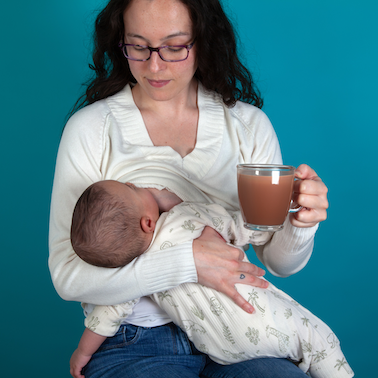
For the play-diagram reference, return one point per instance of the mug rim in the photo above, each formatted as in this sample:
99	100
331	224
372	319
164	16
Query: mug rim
267	167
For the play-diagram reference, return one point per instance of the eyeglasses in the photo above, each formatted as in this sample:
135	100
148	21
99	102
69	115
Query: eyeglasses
140	53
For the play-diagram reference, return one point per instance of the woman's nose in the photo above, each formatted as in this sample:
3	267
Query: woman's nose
155	62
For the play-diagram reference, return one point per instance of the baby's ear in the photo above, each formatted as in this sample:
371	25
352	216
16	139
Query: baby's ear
147	224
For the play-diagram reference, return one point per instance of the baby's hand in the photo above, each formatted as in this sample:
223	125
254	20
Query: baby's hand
77	362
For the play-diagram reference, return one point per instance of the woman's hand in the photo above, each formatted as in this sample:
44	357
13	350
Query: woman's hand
220	266
311	193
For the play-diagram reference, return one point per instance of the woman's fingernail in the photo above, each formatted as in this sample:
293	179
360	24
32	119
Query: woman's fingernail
249	309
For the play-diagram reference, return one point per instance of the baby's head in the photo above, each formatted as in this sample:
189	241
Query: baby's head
113	223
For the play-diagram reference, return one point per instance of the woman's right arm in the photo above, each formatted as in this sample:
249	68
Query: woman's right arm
80	162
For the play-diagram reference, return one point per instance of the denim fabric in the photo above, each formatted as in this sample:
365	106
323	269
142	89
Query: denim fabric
166	351
258	368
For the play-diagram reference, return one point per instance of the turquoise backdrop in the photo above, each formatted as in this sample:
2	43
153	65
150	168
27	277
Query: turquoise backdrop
316	64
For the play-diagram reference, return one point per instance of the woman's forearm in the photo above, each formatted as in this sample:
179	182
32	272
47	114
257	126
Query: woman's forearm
76	280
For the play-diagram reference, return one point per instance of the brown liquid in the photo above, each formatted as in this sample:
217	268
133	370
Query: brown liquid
264	203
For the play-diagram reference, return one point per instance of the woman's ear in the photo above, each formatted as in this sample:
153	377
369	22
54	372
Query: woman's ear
147	224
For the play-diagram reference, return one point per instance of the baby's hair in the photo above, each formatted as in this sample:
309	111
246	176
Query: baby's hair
105	231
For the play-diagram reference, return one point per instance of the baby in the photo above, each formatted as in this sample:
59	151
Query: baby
113	223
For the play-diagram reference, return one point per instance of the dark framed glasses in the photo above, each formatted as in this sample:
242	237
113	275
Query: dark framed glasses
174	53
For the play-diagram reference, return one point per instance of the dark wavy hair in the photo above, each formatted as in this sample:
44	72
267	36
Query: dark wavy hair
219	68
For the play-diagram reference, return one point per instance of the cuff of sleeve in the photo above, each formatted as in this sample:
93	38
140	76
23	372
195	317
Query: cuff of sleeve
289	250
174	265
100	321
293	239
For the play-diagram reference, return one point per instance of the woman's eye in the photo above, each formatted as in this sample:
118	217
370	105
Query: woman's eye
175	48
139	48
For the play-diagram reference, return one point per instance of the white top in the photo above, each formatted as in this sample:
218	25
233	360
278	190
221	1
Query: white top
108	140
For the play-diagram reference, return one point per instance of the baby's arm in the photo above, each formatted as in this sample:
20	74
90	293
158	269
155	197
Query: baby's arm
229	224
88	345
102	322
290	249
240	236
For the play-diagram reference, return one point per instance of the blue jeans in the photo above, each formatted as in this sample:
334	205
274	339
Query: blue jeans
166	351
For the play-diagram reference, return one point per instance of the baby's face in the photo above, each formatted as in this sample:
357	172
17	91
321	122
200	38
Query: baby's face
140	198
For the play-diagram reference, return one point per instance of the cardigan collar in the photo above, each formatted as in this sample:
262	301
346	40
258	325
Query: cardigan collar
211	127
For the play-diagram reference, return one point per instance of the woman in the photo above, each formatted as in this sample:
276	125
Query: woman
165	104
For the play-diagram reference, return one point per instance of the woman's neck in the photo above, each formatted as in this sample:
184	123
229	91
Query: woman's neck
172	122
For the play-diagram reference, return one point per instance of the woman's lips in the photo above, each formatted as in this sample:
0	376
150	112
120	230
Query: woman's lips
158	83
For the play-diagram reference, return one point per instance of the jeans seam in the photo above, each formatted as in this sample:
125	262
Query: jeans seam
124	340
174	338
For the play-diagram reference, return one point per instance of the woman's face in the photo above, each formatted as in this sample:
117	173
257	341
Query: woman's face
156	23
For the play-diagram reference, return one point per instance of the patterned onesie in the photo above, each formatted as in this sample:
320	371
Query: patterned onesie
280	327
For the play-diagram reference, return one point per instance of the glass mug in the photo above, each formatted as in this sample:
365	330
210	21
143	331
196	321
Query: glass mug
265	195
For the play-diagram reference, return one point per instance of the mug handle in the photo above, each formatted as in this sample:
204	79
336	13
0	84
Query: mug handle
298	207
294	209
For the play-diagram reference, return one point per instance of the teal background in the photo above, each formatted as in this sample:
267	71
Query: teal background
316	64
